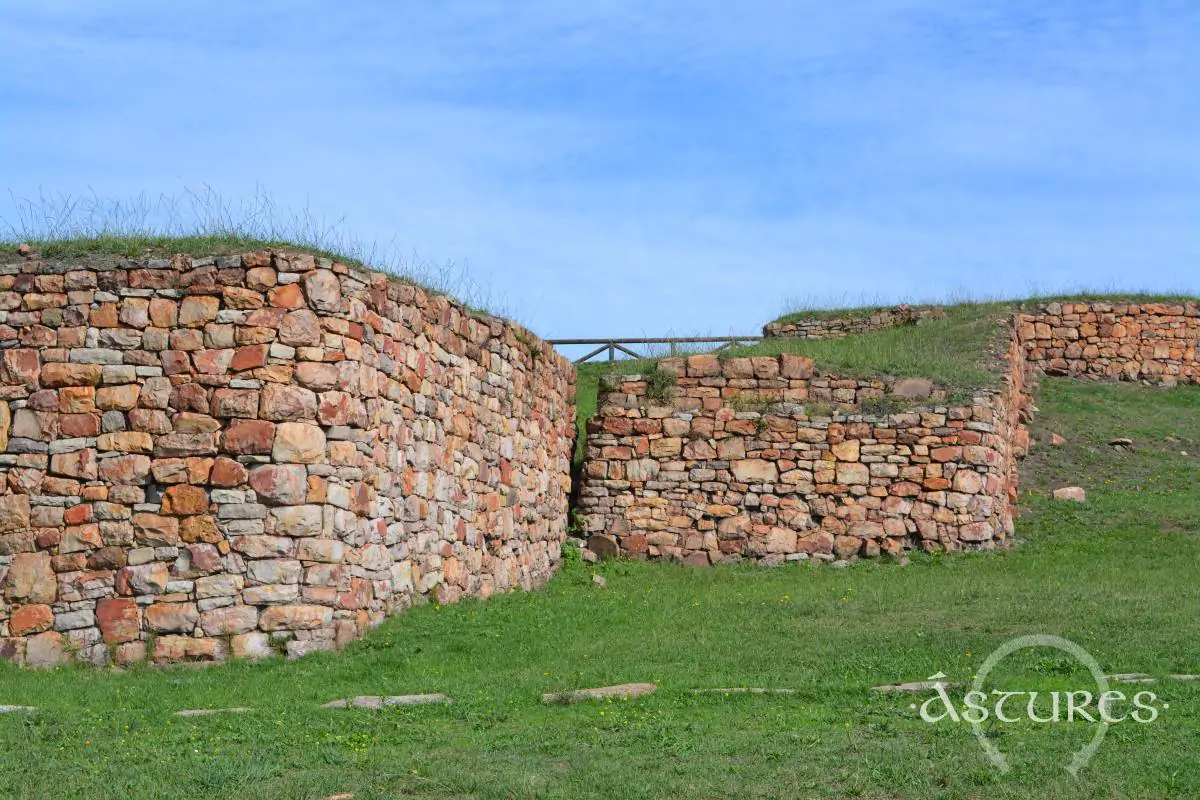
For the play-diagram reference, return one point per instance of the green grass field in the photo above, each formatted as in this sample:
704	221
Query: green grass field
1119	575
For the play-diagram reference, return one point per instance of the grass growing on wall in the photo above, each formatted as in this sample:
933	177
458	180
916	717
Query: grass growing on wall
1118	575
957	352
800	311
203	223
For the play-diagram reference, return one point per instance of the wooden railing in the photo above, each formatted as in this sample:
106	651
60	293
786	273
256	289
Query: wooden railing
624	346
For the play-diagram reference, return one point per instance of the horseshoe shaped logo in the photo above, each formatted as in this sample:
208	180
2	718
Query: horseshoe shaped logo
1084	755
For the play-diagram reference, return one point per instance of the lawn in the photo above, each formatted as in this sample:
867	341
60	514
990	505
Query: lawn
1120	575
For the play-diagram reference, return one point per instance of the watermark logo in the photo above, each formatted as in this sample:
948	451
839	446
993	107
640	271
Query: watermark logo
1104	707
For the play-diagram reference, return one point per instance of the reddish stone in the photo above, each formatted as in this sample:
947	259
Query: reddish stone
176	362
31	619
235	403
189	397
281	402
130	470
172	617
298	443
295	618
250	357
264	319
118	398
80	538
126	442
248	437
335	408
261	277
31	578
180	445
204	558
79	514
56	376
182	500
795	367
164	313
156	530
242	298
212	362
286	296
324	290
191	422
20	367
107	558
196	311
149	420
703	366
73	425
944	454
280	484
300	328
227	473
119	619
76	464
317	375
200	529
77	399
229	620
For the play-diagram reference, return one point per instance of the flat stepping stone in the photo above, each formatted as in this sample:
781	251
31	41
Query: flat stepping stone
915	686
204	712
744	690
1184	677
376	702
16	709
1132	677
623	691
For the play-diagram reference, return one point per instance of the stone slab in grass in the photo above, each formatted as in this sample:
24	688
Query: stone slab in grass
622	691
915	686
204	712
17	709
1132	677
744	690
375	701
1184	677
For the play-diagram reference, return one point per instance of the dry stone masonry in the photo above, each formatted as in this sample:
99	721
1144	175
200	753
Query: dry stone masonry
213	457
837	327
1154	342
765	458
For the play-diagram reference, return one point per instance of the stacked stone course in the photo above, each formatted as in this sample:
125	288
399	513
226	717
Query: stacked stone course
712	475
213	457
1153	342
839	327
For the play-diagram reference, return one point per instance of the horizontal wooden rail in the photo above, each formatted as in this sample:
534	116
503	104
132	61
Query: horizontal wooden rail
622	345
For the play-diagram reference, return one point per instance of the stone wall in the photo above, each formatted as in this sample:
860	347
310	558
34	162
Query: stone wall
837	327
765	458
1154	342
234	455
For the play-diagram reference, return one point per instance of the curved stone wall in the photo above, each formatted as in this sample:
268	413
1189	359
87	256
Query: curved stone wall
739	463
212	457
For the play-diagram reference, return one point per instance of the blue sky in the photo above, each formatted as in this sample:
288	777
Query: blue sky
633	167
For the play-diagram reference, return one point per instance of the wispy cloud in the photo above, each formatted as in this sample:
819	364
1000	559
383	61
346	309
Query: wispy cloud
625	167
